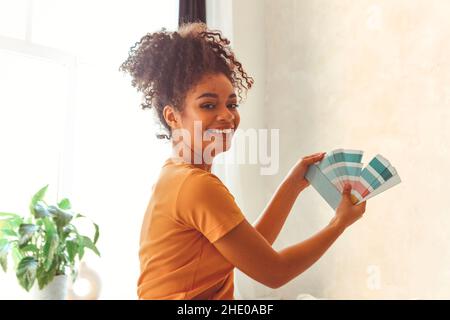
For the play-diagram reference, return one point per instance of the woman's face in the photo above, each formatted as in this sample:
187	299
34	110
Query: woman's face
209	117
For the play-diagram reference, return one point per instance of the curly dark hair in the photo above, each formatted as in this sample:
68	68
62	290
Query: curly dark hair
164	66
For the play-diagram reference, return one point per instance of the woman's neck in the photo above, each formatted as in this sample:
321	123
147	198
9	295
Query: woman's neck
192	158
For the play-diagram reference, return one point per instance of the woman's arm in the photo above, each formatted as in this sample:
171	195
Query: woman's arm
250	252
270	222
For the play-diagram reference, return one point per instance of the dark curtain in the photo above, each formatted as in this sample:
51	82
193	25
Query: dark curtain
191	11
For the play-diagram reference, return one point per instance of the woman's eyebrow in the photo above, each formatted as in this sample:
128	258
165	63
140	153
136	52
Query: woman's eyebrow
213	95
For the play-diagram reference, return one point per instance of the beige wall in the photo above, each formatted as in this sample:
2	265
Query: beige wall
372	75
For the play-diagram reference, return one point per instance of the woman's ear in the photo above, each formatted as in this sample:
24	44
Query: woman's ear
171	116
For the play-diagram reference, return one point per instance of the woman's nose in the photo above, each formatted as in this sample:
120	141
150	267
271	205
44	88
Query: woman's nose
225	114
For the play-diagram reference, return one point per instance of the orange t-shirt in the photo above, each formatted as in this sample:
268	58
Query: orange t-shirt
189	209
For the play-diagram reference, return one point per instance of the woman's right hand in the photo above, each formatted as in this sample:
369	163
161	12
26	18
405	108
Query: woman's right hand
347	212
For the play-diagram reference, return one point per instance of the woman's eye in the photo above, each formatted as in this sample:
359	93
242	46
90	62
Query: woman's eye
208	106
212	106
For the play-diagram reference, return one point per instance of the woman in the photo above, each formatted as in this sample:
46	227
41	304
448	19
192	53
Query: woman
194	234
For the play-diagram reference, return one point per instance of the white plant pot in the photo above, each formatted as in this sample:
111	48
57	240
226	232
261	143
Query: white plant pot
55	290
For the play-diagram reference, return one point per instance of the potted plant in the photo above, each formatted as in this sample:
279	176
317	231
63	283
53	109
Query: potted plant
45	245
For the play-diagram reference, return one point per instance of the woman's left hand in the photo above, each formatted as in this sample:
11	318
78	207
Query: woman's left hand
298	171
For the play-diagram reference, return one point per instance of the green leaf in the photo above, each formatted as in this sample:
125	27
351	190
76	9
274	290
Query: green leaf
65	204
8	232
51	242
60	216
13	222
50	247
80	243
72	249
64	263
37	197
67	230
40	210
53	210
26	232
49	226
44	277
26	272
8	215
90	245
17	255
29	248
4	250
97	233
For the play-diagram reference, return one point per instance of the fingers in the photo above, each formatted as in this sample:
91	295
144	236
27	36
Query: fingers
346	194
347	189
315	155
313	158
347	198
362	205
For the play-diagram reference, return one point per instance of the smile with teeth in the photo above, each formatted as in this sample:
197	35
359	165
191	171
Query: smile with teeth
230	130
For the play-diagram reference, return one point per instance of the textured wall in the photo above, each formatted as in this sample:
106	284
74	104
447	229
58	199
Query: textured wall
370	75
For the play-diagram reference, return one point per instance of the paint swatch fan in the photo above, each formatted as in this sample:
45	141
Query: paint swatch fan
342	166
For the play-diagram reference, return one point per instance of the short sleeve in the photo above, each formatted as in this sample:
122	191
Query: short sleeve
206	204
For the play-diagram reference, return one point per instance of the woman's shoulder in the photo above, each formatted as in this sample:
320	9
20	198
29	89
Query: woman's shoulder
191	182
196	179
180	180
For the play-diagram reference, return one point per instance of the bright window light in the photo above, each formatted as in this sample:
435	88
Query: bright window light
70	119
13	15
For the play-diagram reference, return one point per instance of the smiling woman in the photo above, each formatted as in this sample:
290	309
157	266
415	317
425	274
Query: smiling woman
190	78
166	65
205	130
193	233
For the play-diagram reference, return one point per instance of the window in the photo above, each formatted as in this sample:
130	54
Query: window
70	119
